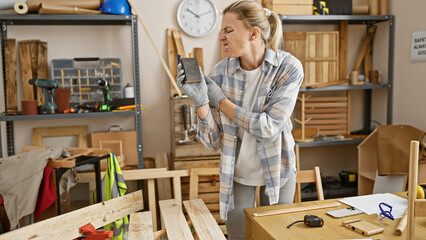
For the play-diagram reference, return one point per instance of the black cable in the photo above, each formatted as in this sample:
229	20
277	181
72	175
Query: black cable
289	226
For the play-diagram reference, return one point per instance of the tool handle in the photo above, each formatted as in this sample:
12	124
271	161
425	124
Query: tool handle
191	113
401	225
184	116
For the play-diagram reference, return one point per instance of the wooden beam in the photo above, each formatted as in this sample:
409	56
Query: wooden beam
42	70
66	226
198	54
140	226
26	71
164	188
364	47
204	223
296	209
343	49
10	71
143	174
176	226
178	43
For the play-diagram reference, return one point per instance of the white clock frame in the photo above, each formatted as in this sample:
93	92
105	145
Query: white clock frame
189	20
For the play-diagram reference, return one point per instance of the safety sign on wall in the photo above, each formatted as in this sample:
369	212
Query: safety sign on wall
418	47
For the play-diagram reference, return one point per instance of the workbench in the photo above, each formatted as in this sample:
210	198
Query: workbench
275	226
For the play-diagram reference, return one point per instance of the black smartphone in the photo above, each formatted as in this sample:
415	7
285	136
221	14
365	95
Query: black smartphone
191	69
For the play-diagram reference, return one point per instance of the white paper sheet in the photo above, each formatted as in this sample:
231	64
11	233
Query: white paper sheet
369	204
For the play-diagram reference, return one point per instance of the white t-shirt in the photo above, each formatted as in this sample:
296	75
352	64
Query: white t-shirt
248	170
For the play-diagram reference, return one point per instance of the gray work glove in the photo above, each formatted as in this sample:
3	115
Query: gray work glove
196	91
214	92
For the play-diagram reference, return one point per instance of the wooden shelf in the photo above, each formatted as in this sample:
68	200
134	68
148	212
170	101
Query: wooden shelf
368	175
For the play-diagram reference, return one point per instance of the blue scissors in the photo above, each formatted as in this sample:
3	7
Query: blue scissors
388	213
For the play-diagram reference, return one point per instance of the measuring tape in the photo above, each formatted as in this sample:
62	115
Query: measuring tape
321	9
421	191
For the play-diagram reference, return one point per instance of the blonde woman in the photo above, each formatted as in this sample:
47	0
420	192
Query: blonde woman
251	95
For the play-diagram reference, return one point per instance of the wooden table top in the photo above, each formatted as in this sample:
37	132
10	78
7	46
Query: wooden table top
275	226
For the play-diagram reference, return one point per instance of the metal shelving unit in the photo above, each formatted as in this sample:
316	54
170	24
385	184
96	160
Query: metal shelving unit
352	19
71	20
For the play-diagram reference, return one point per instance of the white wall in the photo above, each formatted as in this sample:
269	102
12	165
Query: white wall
410	77
409	82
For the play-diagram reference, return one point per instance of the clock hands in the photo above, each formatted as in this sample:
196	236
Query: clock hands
196	15
205	13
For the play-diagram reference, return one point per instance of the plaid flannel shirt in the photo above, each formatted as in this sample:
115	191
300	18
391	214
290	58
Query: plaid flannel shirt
269	122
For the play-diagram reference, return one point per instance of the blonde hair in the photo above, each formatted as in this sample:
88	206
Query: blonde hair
253	15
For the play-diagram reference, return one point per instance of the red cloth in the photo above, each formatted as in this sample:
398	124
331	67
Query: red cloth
46	194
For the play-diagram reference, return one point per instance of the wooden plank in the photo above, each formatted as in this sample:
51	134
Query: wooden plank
26	72
164	189
42	69
191	164
198	54
326	99
364	47
10	71
203	187
66	226
193	185
177	189
152	201
178	42
368	63
171	52
327	104
204	223
196	158
154	173
328	121
34	57
172	58
306	176
140	226
343	49
328	127
363	227
72	150
327	116
325	110
296	209
176	225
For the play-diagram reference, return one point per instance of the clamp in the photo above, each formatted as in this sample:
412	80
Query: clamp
92	234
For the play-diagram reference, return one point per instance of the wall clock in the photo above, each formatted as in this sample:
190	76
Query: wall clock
197	18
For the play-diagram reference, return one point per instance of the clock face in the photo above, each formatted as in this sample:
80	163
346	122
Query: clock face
197	18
